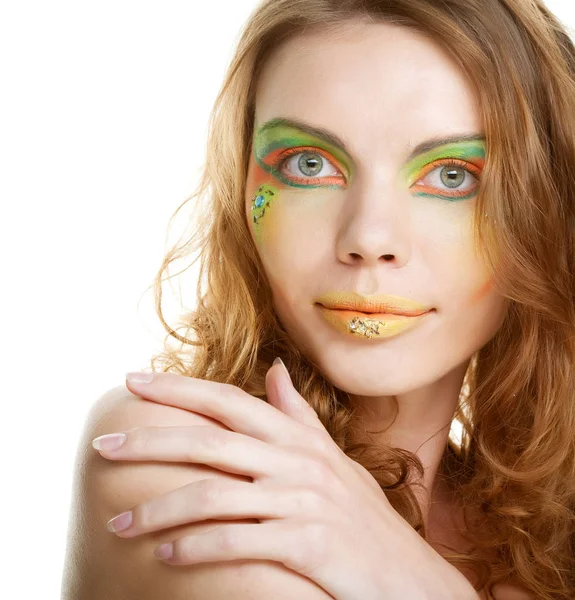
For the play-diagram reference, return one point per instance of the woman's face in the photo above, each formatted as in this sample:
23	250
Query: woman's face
378	200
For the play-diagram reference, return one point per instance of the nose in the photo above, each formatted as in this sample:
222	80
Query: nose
374	226
355	257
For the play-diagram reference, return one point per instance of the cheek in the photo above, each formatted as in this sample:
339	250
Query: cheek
281	221
479	282
467	287
481	291
456	260
289	245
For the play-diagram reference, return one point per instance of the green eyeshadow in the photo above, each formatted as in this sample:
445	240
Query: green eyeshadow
472	152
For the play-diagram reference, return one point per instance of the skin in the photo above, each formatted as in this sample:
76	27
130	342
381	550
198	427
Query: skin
376	218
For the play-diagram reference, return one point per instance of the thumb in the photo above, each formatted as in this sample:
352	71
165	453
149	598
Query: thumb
282	395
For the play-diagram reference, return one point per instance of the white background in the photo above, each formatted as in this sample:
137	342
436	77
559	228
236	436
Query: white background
103	121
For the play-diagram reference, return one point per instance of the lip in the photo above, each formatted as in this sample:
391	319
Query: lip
372	317
376	304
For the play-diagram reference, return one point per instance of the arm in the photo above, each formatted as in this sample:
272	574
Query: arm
101	566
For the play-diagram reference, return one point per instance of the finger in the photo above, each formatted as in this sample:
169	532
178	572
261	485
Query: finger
229	452
224	450
209	499
342	568
226	403
281	394
277	541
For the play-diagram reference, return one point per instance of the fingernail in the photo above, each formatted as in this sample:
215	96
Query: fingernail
164	551
110	441
120	522
279	360
139	377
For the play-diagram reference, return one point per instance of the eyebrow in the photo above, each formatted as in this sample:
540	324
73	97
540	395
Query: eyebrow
332	138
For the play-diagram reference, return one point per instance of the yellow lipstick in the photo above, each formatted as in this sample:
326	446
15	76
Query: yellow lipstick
375	316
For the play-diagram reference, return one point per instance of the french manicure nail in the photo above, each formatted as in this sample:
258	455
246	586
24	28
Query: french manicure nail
135	377
280	361
120	522
164	551
110	441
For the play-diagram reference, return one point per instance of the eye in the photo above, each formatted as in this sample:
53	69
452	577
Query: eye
308	166
457	177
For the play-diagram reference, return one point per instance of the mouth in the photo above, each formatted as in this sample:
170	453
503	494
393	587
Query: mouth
376	304
376	313
369	325
373	316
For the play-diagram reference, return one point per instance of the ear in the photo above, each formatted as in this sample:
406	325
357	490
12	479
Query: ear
282	395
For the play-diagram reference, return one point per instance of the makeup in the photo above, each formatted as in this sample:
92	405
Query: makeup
377	316
276	143
374	326
482	291
261	202
454	163
288	153
263	197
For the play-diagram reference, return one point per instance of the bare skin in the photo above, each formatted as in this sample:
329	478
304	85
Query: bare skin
371	230
383	90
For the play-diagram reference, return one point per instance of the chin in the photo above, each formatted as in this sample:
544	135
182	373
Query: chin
370	382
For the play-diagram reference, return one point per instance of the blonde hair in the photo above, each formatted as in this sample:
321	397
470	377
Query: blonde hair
515	466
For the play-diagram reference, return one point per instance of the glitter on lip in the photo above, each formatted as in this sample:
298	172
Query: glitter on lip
374	325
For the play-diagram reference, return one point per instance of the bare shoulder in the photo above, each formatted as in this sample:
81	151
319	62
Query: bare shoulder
99	565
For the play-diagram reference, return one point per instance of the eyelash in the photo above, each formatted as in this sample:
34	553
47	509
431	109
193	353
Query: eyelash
290	153
459	193
473	170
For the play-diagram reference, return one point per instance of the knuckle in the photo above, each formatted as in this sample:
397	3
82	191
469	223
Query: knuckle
322	475
319	471
143	516
297	554
209	492
141	438
321	443
209	440
318	538
184	549
309	501
227	539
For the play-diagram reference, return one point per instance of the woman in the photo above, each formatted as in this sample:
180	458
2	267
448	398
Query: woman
391	211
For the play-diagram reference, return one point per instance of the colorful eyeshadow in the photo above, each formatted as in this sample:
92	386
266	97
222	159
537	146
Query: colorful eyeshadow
274	145
280	139
468	156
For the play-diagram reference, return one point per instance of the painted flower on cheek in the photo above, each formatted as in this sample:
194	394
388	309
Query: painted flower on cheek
261	202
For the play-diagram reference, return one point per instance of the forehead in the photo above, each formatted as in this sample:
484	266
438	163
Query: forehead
374	83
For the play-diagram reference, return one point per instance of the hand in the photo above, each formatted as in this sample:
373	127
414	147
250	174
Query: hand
321	514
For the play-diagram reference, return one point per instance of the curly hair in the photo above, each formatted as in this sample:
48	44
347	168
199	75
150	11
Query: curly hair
514	466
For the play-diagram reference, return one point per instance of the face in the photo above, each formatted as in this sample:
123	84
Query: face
366	157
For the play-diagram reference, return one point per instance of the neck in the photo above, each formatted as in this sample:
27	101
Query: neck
421	426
